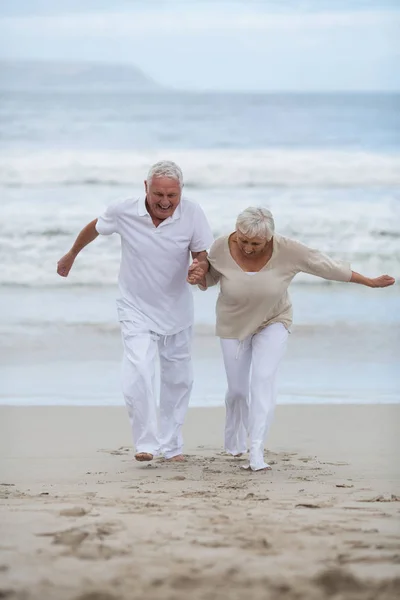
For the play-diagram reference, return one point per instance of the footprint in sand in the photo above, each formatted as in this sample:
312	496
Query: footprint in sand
76	511
258	545
368	558
205	494
357	544
232	486
338	581
252	496
392	498
119	452
10	595
96	596
75	536
313	505
8	490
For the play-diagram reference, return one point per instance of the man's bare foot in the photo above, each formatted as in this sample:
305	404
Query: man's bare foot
177	458
237	455
143	456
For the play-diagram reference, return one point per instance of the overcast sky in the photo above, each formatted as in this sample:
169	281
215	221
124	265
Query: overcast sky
227	45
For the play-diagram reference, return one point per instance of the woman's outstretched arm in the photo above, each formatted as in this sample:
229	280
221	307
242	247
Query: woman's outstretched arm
314	262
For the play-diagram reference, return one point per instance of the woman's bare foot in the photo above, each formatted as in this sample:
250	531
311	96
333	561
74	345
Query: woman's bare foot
263	470
177	458
143	456
237	455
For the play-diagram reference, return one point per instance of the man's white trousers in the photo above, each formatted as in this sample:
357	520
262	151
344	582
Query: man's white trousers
138	385
251	368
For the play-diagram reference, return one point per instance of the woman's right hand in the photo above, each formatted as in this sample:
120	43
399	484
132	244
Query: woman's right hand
196	275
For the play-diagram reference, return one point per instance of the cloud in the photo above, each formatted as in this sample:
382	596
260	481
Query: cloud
124	23
59	7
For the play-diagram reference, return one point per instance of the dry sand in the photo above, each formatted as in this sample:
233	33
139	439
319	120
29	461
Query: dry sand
81	520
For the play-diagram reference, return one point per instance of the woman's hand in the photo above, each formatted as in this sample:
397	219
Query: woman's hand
382	281
377	282
197	273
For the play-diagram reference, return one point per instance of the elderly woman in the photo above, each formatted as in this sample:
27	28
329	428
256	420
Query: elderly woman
254	267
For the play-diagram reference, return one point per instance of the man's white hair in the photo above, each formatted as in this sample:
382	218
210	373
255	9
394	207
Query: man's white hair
165	168
256	222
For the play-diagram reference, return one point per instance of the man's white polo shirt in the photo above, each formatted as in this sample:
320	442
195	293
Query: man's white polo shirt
154	293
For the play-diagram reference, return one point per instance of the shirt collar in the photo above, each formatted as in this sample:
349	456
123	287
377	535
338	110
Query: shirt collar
142	210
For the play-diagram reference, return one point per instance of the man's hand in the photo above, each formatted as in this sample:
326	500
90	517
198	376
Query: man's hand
197	273
87	235
65	263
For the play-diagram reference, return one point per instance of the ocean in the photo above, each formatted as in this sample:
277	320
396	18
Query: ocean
327	165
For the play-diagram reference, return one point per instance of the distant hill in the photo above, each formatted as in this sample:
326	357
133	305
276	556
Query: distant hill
71	76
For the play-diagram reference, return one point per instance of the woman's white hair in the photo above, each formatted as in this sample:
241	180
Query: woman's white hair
165	168
256	222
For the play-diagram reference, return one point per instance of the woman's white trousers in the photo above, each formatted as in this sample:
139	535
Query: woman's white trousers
251	368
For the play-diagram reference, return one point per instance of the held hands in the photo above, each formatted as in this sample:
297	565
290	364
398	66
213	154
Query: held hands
382	281
197	273
65	263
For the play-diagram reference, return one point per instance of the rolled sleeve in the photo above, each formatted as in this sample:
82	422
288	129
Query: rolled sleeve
202	237
212	278
319	264
107	223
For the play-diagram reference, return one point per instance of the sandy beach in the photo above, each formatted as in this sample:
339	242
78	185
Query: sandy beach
81	520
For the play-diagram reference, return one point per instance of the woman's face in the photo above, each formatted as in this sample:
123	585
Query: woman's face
251	246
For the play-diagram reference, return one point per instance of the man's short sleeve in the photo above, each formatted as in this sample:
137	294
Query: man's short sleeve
202	237
107	223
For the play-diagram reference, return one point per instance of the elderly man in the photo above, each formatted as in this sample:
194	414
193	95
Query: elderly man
155	306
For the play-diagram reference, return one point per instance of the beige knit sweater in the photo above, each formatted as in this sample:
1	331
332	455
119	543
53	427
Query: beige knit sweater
246	304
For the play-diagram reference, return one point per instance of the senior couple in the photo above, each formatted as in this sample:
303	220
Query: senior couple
254	267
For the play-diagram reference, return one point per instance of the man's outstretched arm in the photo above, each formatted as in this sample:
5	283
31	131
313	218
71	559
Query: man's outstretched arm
87	235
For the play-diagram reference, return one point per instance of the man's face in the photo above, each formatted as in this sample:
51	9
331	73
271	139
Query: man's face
163	196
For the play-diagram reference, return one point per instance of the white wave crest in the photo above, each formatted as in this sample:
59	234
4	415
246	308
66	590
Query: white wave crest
206	168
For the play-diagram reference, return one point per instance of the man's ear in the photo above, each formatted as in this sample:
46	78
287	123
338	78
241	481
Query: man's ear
145	186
